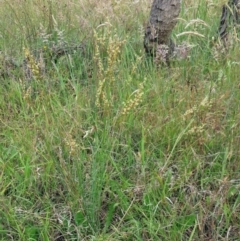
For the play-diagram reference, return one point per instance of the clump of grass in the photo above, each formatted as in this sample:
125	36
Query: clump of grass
139	152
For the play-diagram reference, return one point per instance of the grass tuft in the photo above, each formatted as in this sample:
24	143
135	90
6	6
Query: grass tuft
98	142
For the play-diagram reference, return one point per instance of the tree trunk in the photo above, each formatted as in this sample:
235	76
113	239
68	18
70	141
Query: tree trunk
229	18
161	23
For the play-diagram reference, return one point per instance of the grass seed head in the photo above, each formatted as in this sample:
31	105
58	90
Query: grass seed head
71	144
196	130
101	98
134	102
106	75
32	64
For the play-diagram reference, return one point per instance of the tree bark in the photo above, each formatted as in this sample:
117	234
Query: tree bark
161	23
229	18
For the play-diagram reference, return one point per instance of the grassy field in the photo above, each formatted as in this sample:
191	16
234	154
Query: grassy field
104	144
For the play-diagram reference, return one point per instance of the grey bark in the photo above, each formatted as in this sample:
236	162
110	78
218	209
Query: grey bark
229	18
161	23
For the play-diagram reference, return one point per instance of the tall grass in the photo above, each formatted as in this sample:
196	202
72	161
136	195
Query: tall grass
102	144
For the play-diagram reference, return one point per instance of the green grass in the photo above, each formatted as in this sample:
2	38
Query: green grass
165	168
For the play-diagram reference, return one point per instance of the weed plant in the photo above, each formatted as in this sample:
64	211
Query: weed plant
103	144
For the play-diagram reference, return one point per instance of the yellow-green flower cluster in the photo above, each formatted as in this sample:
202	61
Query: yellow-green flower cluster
196	130
113	53
71	144
101	98
106	76
32	64
98	60
134	102
204	105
